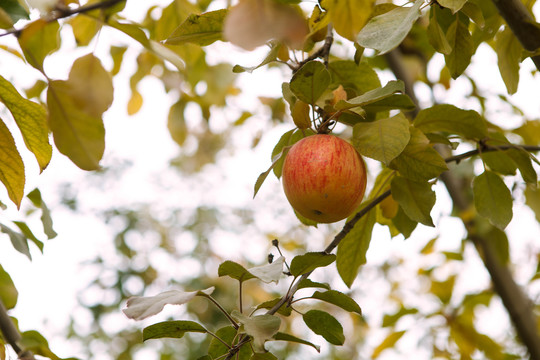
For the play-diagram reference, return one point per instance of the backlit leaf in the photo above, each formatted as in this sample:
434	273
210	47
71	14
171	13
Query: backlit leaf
203	29
303	264
171	329
386	31
524	163
454	5
392	319
270	57
18	240
235	271
387	343
14	11
339	299
35	342
25	230
493	199
290	338
509	52
453	120
309	83
532	198
46	219
460	40
267	273
176	122
351	251
324	324
349	16
403	223
419	161
8	292
415	198
383	139
84	29
260	327
31	118
38	39
11	166
436	35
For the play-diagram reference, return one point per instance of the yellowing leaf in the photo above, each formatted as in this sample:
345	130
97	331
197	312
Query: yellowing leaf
11	166
349	16
252	23
493	199
453	120
38	39
388	342
300	115
176	123
509	52
31	118
460	40
135	102
201	29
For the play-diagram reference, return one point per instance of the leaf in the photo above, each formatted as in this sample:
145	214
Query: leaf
324	324
492	199
84	29
386	31
171	329
31	118
75	110
300	115
235	271
403	223
339	299
303	264
284	309
139	308
176	122
8	292
373	96
383	139
360	77
349	16
436	36
419	161
523	161
532	199
270	272
509	52
38	39
35	197
276	161
34	342
11	166
202	30
309	83
260	327
351	251
291	338
228	334
415	198
454	5
452	120
307	283
25	230
391	320
18	240
460	40
14	11
270	57
263	356
387	343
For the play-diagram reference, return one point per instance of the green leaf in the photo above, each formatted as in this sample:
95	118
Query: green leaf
386	31
35	197
31	118
454	5
75	110
260	327
509	52
403	223
176	122
38	39
419	161
392	319
500	245
532	199
266	273
450	119
202	30
18	240
171	329
436	36
11	166
14	10
25	230
349	16
263	356
35	342
499	161
303	264
228	334
383	139
524	163
324	324
373	96
284	309
8	292
460	40
307	283
276	161
339	299
493	199
235	271
351	251
387	343
290	338
309	83
270	57
360	77
415	198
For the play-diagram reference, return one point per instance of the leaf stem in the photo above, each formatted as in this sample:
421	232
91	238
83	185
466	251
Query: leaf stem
234	323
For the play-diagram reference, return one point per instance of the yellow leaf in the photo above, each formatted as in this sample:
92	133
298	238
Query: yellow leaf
31	118
350	16
389	207
300	115
134	103
11	166
84	29
39	39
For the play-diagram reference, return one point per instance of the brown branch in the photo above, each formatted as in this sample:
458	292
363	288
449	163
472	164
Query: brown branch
517	304
64	12
522	24
11	335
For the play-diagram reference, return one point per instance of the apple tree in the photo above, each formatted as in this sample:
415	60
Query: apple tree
402	82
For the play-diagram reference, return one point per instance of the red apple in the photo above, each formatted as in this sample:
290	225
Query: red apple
324	178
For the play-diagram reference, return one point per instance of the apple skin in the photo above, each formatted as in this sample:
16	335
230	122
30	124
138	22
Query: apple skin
324	178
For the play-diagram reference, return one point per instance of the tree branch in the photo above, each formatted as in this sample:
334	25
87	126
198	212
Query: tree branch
11	334
522	24
519	307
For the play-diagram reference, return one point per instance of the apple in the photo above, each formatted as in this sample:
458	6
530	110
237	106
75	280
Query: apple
324	178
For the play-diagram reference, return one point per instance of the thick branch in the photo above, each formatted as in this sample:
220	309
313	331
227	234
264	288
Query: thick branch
522	24
519	307
11	335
